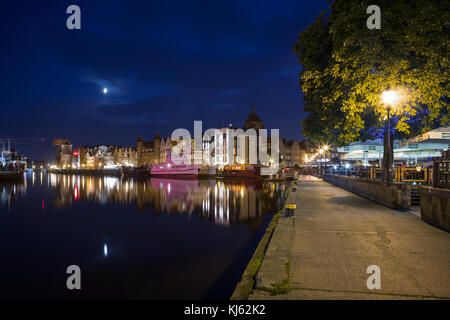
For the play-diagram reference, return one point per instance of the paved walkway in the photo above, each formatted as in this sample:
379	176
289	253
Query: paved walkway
324	251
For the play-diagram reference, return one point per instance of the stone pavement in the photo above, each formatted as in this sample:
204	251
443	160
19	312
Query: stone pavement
324	251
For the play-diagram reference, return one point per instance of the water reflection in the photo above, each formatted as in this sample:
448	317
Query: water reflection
153	237
9	192
223	202
219	201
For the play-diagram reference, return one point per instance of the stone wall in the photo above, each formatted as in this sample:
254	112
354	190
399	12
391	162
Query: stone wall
435	206
392	194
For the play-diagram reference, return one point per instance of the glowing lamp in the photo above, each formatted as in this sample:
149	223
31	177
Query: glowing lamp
390	97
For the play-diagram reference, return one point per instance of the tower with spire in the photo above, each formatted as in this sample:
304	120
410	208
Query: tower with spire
253	121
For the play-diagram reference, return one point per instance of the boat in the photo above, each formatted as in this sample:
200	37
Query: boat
207	171
169	169
11	175
134	172
242	171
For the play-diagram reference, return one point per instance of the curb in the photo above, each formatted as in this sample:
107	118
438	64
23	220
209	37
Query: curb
245	287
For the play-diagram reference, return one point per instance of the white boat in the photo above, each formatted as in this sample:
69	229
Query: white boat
169	169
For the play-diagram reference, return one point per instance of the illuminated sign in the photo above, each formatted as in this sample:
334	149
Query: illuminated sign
414	146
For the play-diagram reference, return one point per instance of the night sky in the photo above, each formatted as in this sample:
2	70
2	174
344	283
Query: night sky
165	64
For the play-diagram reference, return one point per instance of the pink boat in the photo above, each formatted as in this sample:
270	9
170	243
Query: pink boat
172	170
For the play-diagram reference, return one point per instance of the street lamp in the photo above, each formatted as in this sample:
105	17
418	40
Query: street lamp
325	148
390	98
321	153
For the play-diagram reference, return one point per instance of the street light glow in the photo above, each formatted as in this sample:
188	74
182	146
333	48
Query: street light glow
390	97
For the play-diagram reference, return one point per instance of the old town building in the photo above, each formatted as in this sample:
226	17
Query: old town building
148	153
63	151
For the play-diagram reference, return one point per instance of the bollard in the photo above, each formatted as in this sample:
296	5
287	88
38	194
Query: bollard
294	188
290	210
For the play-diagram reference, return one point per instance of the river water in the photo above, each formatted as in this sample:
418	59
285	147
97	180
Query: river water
132	239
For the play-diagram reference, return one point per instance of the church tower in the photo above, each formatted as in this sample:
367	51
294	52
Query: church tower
253	121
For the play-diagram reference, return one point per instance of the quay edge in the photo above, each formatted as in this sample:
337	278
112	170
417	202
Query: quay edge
245	287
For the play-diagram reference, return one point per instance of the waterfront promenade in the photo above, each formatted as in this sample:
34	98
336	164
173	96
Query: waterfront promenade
324	250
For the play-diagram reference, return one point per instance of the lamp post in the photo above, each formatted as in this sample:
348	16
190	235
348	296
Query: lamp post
389	98
321	158
325	148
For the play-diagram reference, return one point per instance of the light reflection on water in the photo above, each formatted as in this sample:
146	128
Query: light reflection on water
223	202
189	239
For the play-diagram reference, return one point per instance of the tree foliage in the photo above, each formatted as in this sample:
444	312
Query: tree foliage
346	67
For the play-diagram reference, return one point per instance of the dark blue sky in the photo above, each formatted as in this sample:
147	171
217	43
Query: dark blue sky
165	64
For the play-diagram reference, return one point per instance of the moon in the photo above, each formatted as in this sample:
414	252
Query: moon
105	90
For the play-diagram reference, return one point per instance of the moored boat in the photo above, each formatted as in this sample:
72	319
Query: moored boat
207	171
11	175
242	171
169	169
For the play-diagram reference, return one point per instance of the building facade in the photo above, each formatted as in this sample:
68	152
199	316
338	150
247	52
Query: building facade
148	153
63	153
419	149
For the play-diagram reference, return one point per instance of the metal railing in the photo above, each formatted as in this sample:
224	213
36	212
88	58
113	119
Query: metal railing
406	175
438	176
441	174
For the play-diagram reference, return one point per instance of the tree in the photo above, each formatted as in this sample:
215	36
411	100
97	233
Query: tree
346	67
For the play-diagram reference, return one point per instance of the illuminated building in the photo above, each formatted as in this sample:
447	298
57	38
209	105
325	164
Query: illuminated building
414	150
63	151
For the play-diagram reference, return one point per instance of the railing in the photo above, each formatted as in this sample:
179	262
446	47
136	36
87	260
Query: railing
376	173
441	174
406	175
424	176
413	175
